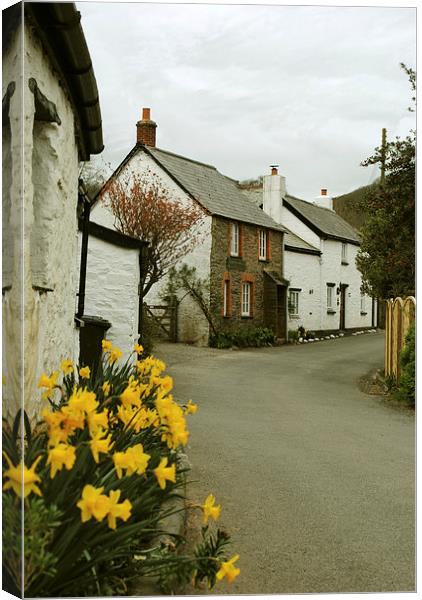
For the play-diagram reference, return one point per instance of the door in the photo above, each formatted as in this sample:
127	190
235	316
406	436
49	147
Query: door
343	288
281	312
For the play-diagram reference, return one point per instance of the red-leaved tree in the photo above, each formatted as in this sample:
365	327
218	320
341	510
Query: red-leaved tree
144	208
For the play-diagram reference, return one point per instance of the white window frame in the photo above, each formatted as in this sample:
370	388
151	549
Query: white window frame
295	303
246	299
226	292
234	239
262	245
330	297
344	252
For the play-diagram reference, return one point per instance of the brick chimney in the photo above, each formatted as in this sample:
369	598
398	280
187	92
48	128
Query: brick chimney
274	190
145	129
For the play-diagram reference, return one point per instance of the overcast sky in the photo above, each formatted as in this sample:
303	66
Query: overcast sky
243	87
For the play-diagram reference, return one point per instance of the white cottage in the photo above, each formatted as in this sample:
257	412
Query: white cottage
50	101
240	249
319	262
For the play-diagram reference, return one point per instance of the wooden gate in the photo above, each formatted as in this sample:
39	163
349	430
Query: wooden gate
399	316
164	319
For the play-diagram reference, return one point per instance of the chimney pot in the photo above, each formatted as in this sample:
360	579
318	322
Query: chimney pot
323	191
274	169
146	114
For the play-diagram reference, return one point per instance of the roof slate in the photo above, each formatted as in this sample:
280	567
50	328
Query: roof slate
326	221
295	241
219	194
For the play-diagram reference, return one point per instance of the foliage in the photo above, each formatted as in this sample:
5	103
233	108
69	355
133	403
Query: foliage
145	209
293	335
185	279
243	337
386	257
99	470
406	385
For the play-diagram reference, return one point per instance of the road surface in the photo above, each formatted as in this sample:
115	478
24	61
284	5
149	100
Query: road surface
316	478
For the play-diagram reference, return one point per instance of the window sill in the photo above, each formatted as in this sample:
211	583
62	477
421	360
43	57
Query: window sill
330	311
264	260
344	262
294	316
363	313
246	316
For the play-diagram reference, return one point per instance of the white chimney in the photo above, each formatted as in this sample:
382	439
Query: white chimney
273	194
324	199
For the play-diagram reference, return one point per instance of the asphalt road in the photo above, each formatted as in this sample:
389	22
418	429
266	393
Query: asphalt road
315	477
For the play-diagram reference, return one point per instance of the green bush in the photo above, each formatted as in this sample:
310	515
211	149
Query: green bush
293	335
243	338
406	385
98	473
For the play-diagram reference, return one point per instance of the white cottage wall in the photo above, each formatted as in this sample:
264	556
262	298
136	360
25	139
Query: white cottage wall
333	271
192	325
303	272
111	292
289	220
49	236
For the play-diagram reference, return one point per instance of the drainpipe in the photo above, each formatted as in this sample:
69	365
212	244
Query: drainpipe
143	255
84	256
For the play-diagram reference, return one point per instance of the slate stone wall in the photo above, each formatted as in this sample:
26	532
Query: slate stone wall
246	267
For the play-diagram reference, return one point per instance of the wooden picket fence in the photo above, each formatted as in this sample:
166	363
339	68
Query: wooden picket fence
399	316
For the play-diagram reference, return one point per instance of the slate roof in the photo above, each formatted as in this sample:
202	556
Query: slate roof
323	221
219	194
296	243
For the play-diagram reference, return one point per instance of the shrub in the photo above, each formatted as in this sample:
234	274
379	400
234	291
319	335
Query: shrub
293	335
251	337
406	385
99	470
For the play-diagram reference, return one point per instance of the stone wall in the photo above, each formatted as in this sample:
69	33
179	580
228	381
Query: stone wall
237	269
45	248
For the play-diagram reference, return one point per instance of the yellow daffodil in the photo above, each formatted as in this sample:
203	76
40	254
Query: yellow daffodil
97	422
210	509
100	445
85	372
134	460
191	408
106	345
83	400
66	366
93	504
228	570
164	473
117	511
138	348
48	382
61	456
106	388
131	396
22	480
115	354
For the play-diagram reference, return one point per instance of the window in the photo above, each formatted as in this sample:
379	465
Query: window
262	253
235	239
344	253
293	303
246	299
330	297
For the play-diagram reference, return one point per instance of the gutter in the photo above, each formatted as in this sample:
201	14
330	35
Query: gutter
58	24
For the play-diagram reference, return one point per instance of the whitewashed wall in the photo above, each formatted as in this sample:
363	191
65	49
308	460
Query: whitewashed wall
192	325
303	272
111	292
295	225
333	271
49	237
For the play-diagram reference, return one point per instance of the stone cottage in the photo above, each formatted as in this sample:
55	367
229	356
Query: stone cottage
320	250
48	80
241	248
